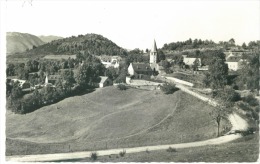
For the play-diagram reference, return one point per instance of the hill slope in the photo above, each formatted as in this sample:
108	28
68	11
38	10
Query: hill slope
92	43
49	38
19	42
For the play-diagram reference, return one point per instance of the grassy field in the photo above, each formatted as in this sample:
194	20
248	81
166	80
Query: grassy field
109	118
242	150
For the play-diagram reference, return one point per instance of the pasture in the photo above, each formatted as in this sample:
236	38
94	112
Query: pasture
109	118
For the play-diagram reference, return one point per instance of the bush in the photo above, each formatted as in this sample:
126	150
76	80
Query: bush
93	156
122	153
170	149
251	100
168	88
121	87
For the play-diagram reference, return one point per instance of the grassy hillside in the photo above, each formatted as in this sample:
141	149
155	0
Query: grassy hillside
91	43
110	118
19	42
49	38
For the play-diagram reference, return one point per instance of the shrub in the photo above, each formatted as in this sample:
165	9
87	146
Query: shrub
122	153
168	88
93	156
121	87
170	149
251	100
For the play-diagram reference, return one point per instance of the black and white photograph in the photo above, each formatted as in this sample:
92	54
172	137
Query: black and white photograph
130	81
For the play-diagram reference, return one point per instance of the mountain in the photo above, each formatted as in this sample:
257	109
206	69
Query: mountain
49	38
20	42
91	43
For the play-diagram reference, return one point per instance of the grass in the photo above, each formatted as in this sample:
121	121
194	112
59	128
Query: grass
109	118
245	149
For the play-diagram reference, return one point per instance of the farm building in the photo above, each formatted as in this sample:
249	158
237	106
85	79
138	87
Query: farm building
105	81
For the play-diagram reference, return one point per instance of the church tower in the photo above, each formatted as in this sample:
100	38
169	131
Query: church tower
153	54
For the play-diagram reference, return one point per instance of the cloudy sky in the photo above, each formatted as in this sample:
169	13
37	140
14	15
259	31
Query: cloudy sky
134	24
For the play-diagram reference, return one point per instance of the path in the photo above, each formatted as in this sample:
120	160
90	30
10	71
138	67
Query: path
237	122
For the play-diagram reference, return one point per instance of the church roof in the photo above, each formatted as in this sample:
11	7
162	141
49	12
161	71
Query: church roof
154	47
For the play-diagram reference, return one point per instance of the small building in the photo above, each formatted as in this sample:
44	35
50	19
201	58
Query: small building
22	83
110	61
190	61
105	81
139	70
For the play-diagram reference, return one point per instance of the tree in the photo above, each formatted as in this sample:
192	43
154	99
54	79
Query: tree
244	46
218	71
68	79
249	76
161	55
220	111
112	73
232	41
196	64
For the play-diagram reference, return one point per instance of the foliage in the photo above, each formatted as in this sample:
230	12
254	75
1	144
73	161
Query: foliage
170	149
228	95
251	100
121	87
92	43
136	55
169	88
122	153
223	107
112	72
161	55
249	75
217	74
189	44
93	156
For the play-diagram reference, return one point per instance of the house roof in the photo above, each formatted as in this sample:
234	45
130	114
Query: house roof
144	67
190	61
103	79
233	59
53	77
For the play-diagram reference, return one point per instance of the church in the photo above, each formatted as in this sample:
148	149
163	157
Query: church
145	70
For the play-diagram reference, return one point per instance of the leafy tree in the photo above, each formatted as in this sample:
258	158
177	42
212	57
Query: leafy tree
68	79
244	46
196	64
220	111
218	71
232	41
10	70
112	72
249	75
161	55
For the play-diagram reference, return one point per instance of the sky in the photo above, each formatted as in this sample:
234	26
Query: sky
135	24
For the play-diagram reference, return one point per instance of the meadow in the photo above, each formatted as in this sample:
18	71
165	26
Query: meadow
110	118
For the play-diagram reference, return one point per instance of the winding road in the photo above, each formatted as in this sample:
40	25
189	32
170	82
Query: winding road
237	122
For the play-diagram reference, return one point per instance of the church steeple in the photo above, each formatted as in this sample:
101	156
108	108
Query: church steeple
153	54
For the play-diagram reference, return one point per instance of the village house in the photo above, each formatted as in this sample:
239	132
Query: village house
24	84
110	61
191	61
140	70
105	81
234	62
